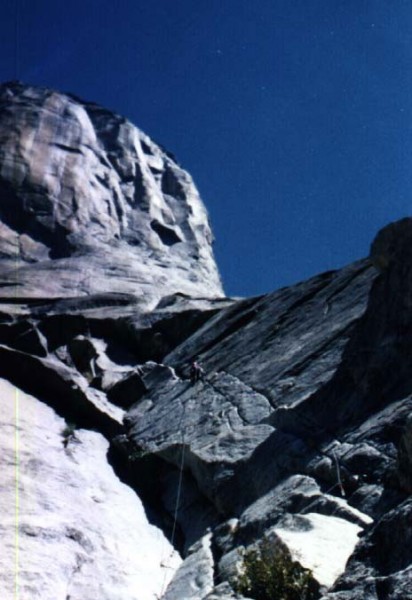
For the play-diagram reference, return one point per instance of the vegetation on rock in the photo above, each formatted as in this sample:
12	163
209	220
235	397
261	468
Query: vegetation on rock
268	573
69	430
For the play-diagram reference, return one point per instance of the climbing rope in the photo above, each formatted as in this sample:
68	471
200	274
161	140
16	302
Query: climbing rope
164	563
179	491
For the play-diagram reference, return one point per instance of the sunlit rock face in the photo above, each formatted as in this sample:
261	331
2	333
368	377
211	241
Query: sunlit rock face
69	527
90	204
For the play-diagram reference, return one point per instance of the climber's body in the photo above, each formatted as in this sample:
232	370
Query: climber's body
196	372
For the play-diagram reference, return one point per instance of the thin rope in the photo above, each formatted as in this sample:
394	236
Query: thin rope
179	491
177	503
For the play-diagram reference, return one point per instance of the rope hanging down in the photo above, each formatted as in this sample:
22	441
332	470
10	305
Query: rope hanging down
164	564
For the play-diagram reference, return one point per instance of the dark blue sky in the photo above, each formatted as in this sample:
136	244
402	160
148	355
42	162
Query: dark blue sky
293	116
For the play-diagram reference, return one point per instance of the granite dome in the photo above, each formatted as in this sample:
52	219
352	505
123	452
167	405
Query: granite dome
90	204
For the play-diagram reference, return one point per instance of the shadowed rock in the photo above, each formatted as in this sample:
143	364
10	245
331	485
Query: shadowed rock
405	456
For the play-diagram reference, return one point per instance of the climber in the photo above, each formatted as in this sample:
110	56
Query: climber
196	372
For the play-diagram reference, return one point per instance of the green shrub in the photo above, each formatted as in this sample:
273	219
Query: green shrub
68	430
137	454
269	574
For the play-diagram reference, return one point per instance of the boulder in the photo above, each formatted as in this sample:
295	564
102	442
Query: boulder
127	391
194	578
212	426
321	543
381	564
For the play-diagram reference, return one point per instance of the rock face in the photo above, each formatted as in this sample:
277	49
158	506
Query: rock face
67	521
299	433
405	456
90	204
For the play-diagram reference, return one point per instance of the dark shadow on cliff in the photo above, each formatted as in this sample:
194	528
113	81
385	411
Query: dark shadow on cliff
375	371
22	211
